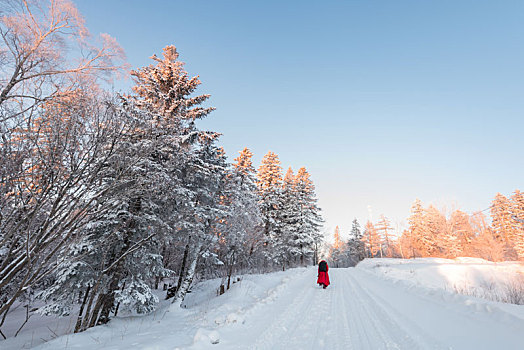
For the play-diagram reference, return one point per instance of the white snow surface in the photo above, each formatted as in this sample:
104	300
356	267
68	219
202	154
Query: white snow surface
380	304
449	274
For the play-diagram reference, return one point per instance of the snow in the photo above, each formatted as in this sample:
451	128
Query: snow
380	304
464	275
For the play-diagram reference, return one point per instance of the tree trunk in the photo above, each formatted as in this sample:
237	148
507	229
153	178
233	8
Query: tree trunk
186	283
79	319
108	298
171	292
96	310
230	272
118	305
85	321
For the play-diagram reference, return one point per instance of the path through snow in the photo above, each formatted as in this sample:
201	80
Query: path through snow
361	311
286	310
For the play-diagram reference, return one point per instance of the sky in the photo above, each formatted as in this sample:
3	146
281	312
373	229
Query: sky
382	101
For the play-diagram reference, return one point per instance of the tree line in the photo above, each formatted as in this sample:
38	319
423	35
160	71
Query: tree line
432	233
105	197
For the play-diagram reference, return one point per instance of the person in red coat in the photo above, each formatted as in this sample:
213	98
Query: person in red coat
323	277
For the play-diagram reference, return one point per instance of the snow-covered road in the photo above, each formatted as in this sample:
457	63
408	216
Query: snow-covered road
344	316
361	311
364	308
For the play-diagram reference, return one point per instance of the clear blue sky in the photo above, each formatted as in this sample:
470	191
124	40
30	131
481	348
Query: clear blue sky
382	101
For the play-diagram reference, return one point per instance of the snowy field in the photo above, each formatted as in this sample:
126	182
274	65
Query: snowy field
501	281
380	304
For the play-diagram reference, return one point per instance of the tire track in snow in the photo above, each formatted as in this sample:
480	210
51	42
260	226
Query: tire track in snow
361	330
306	330
396	331
343	325
277	332
344	316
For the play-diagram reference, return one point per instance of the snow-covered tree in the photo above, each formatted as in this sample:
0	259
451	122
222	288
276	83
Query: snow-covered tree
202	218
384	229
291	217
286	244
56	193
458	234
115	257
270	188
372	240
356	250
246	203
434	227
416	239
503	223
241	237
310	218
517	211
167	90
170	175
485	244
337	250
51	125
337	243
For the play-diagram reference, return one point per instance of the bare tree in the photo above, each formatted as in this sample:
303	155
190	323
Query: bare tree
56	192
45	50
54	131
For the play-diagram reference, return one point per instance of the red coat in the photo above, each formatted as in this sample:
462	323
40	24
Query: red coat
323	277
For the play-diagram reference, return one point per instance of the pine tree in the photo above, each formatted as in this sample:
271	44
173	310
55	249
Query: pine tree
504	225
286	244
337	241
166	88
372	240
269	188
269	173
416	231
435	226
459	234
244	166
310	218
337	249
517	211
205	185
242	236
384	229
356	248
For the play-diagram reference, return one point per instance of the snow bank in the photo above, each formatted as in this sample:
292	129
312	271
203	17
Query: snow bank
197	324
446	274
478	278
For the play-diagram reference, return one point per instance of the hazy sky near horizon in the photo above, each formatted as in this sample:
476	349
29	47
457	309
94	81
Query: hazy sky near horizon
382	101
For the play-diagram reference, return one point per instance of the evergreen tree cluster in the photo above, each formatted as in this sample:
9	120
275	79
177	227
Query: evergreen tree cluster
347	253
431	233
290	216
